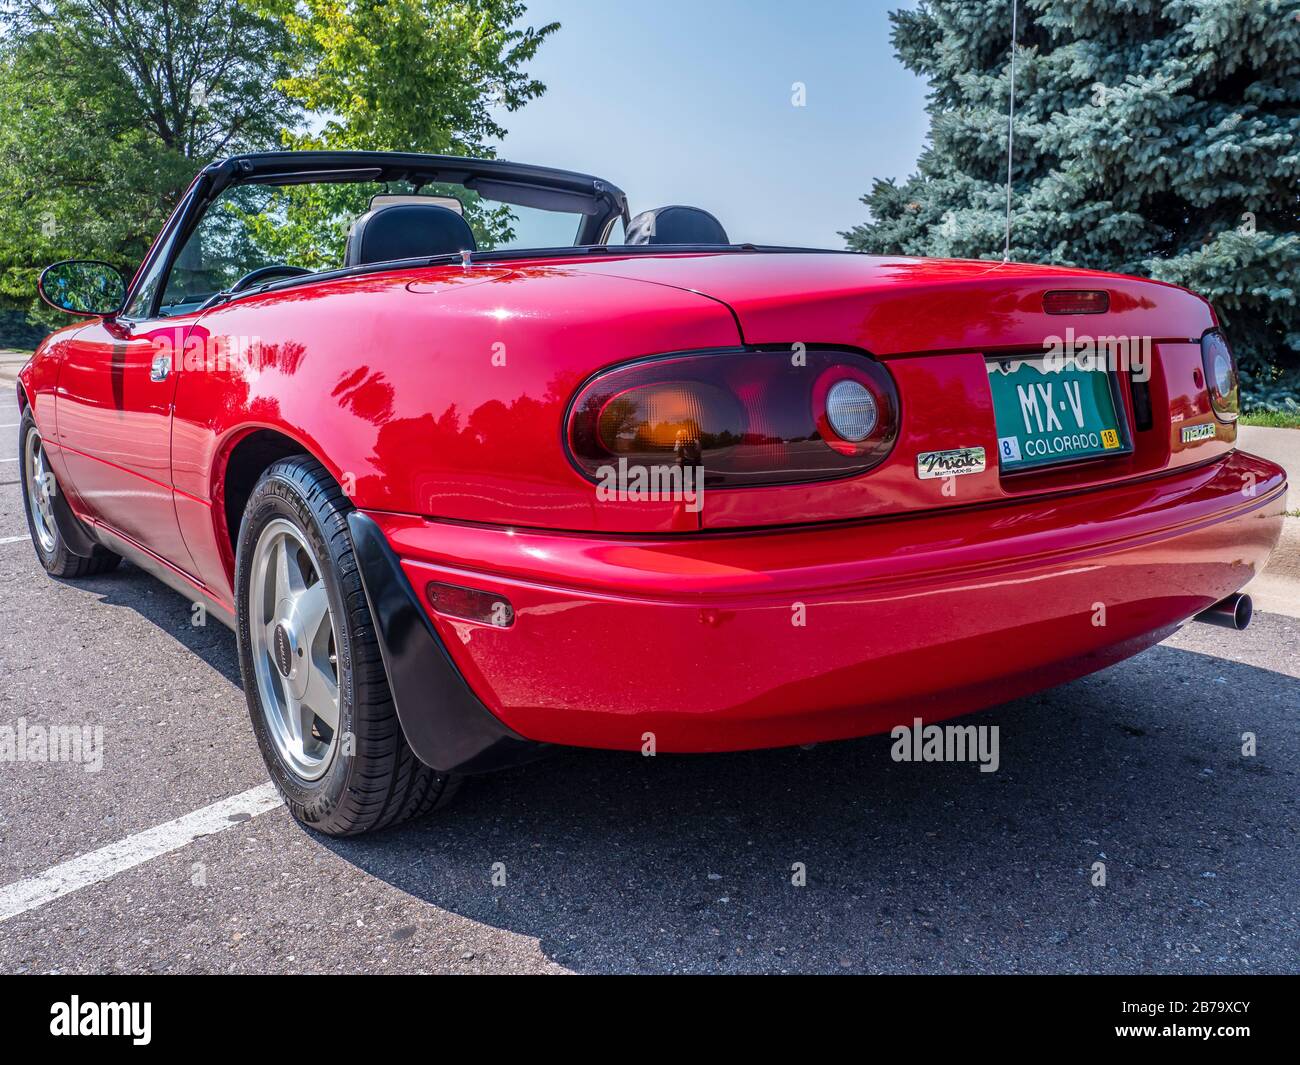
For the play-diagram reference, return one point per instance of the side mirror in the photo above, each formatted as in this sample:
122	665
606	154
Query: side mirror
83	286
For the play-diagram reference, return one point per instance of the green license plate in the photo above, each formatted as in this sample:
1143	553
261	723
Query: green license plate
1048	416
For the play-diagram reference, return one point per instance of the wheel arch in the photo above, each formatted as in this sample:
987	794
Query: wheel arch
246	454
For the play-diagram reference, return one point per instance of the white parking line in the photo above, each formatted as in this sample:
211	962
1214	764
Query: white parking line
10	425
77	873
13	539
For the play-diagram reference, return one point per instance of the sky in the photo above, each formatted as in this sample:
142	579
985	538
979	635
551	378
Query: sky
691	102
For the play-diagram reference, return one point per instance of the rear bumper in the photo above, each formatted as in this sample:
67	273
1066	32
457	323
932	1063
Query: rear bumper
721	642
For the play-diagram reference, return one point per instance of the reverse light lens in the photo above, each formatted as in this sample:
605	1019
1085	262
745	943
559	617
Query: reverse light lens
851	410
470	604
1220	375
745	417
1076	301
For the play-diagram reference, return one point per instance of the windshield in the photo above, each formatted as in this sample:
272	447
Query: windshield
305	228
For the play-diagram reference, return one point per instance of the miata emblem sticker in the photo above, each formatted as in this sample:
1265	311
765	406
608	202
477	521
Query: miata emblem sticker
954	463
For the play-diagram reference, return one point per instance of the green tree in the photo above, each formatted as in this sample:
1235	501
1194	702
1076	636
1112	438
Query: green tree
409	75
397	75
1152	137
110	107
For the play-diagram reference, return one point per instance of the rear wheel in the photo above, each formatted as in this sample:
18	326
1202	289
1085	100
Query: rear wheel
40	498
317	692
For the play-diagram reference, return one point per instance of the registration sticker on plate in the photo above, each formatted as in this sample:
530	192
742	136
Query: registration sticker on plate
1051	414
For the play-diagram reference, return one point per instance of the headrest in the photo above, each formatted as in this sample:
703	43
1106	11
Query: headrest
676	225
406	231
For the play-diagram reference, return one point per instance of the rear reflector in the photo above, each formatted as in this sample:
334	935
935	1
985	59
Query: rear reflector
470	604
1076	301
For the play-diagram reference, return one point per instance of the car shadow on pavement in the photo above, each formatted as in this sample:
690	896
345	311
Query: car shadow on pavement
615	862
128	586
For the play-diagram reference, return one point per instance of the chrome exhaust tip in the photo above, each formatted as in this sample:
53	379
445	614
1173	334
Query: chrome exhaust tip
1234	612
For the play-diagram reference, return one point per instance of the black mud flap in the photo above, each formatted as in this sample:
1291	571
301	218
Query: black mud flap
445	723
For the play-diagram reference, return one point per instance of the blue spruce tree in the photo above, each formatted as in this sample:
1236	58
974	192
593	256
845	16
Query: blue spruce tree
1152	137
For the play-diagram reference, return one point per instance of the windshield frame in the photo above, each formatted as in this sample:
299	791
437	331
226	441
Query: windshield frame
596	201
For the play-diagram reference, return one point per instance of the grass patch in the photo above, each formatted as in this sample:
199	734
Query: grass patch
1273	419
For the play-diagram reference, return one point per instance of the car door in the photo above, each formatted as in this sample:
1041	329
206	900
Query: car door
113	414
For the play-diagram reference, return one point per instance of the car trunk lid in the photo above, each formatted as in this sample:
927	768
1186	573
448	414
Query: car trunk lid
939	326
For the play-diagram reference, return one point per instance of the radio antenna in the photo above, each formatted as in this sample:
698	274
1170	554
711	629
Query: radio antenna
1011	131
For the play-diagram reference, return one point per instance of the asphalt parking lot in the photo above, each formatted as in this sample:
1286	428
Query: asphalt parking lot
617	862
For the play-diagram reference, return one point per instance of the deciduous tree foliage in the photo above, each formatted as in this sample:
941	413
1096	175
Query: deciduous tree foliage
1152	137
395	75
109	108
408	75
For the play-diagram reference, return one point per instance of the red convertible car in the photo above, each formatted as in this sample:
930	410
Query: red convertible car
475	463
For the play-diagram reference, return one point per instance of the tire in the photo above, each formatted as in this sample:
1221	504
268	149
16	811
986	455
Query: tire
39	487
342	766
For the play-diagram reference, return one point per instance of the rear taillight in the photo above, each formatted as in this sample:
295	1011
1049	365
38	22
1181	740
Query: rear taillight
745	417
1220	375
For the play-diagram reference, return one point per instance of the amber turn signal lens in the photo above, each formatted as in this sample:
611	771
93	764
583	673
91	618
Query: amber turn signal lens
1076	301
470	604
669	418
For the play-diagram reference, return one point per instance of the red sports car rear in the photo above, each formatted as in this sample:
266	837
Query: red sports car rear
461	502
822	604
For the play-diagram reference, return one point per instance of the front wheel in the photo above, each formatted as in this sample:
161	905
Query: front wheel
317	692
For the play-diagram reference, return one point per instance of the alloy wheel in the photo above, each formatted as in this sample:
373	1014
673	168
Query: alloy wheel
295	658
40	491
